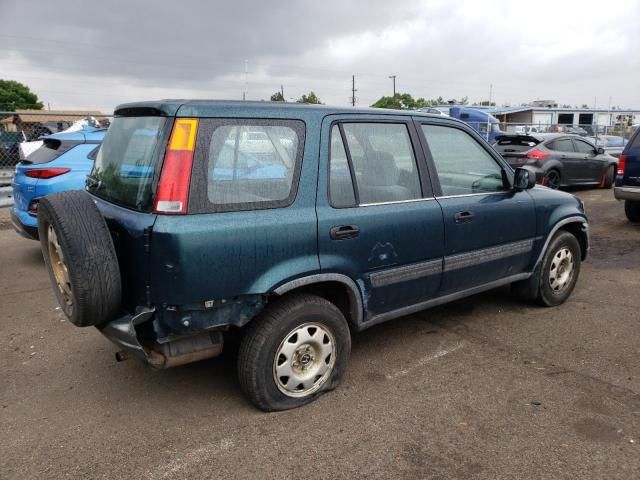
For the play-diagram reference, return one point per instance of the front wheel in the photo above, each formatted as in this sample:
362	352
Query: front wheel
293	352
560	270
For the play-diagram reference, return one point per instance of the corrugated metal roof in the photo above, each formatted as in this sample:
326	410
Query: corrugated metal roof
507	110
36	116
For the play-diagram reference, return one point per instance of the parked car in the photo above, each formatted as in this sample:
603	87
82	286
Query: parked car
559	160
435	111
612	144
526	129
576	130
627	186
359	216
61	163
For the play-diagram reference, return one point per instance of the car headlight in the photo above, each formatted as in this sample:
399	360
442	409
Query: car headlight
580	204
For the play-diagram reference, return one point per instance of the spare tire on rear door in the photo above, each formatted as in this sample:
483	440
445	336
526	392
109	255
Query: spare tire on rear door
80	258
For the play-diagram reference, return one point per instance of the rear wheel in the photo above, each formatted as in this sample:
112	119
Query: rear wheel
632	210
553	179
293	352
609	177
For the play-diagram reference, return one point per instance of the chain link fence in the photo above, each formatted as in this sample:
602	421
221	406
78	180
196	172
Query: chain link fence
621	130
20	132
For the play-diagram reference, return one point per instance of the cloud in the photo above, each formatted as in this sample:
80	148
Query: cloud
99	54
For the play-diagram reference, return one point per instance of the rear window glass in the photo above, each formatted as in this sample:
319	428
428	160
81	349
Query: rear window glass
50	150
518	141
636	141
246	164
125	165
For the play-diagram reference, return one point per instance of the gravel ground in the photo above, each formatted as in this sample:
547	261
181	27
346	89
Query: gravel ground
482	388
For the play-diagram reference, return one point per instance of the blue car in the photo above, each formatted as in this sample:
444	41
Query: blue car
61	163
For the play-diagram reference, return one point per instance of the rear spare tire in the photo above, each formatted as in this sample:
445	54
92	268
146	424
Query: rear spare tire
80	258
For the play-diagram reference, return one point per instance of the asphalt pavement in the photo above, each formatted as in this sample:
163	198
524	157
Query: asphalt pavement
484	388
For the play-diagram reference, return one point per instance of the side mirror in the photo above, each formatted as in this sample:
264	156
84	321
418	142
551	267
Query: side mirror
599	151
523	179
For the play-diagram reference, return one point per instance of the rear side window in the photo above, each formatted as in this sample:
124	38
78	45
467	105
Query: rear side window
341	190
561	145
382	163
127	162
246	164
636	141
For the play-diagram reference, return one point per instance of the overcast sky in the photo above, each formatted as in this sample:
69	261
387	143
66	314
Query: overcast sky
96	54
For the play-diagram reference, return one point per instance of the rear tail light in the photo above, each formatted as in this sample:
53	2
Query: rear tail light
537	155
173	190
46	172
622	164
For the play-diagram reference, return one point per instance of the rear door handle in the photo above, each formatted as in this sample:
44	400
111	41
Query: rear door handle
342	232
463	217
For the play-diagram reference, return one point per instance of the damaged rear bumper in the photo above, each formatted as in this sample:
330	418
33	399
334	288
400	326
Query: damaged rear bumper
179	351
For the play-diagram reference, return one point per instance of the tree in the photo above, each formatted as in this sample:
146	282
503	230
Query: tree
584	105
310	98
401	101
485	103
16	95
277	97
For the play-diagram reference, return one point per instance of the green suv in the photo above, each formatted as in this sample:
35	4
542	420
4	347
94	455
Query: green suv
296	226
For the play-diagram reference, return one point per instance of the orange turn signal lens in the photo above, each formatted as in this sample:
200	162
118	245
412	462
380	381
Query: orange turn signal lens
183	136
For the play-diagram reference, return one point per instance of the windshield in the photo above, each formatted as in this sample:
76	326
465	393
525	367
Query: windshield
126	163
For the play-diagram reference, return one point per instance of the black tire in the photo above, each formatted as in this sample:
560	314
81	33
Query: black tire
609	177
266	335
632	210
553	179
547	295
92	292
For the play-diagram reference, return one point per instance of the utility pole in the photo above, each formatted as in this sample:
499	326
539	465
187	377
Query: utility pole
490	92
353	90
393	77
245	93
282	91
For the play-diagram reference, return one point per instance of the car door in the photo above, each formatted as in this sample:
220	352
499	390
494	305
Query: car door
593	165
378	221
489	228
572	163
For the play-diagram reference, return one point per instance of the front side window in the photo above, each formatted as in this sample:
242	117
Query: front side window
583	147
462	165
383	162
247	164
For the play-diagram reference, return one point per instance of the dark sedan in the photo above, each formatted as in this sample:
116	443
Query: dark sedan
558	159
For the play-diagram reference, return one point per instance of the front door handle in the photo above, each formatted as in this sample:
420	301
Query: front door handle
342	232
463	217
